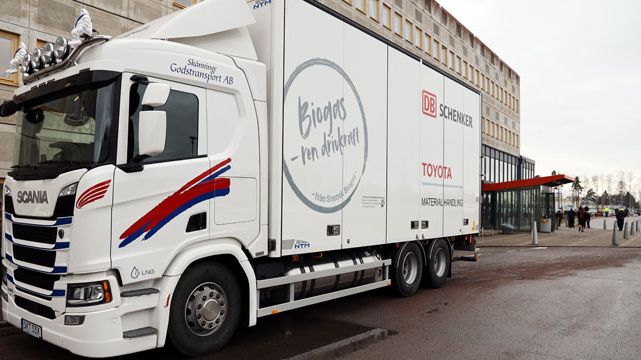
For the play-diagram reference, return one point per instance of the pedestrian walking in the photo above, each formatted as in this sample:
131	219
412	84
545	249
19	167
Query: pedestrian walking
618	213
587	216
571	214
581	218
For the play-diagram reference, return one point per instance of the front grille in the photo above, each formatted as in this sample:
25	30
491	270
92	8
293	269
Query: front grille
39	234
64	206
35	308
34	256
33	278
8	204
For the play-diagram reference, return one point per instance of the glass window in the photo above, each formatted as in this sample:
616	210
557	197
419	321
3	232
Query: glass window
387	16
182	125
360	5
444	55
427	46
437	50
418	37
452	62
408	31
71	130
183	3
8	47
373	9
397	25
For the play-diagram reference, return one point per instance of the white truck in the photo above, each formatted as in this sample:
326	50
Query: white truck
223	163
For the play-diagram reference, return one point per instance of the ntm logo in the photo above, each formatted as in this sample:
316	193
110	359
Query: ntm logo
429	104
260	3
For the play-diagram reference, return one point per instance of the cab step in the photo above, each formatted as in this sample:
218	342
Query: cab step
136	333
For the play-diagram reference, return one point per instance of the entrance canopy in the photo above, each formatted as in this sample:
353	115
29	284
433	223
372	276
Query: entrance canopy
554	180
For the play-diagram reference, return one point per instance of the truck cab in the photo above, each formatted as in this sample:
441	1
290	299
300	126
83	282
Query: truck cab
134	156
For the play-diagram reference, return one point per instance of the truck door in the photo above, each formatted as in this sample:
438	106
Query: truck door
160	202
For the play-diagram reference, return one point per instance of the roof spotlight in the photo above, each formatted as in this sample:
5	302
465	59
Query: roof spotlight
26	64
35	59
46	54
60	48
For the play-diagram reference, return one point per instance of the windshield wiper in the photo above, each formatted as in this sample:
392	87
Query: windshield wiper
64	162
29	167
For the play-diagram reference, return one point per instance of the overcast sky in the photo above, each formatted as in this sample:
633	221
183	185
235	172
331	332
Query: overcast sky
580	68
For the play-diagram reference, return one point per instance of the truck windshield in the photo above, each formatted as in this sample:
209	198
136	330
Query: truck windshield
68	130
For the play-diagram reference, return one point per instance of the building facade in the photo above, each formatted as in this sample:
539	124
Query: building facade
421	27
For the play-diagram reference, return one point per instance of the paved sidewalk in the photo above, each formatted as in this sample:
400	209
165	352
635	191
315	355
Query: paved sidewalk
564	236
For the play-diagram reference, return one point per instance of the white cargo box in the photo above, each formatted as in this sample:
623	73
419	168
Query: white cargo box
368	144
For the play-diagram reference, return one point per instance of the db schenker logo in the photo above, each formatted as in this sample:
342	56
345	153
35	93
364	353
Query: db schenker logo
429	104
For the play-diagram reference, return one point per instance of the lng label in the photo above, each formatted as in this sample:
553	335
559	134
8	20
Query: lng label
325	131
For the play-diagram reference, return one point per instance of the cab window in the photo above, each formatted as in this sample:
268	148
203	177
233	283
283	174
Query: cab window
182	126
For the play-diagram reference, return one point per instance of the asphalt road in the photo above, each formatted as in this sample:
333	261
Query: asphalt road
527	303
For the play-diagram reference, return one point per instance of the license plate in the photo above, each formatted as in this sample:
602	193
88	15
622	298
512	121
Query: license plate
32	329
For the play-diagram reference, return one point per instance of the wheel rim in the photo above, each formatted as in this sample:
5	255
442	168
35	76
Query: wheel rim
440	262
206	309
410	267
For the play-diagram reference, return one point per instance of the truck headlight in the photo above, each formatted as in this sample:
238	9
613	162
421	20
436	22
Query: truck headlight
7	191
69	190
89	294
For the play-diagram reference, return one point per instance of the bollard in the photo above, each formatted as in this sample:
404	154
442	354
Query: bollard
632	230
637	225
604	227
615	240
626	232
535	234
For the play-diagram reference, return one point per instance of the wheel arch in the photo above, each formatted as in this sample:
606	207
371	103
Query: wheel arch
228	252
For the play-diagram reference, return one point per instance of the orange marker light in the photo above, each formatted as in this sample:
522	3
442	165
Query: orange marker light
274	312
105	286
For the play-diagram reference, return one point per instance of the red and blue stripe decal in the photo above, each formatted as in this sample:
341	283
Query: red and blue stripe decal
205	186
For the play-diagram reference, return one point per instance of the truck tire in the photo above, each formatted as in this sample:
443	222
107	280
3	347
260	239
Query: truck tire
205	310
407	270
438	264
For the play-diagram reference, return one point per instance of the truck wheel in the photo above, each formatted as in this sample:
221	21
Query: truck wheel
438	264
407	270
205	310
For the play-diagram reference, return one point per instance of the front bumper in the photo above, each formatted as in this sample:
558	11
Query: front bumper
101	334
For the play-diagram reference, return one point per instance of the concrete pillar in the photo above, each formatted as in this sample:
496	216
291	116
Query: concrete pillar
637	223
626	231
535	234
632	226
615	239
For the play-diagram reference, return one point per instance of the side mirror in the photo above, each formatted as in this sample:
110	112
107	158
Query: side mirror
152	130
8	108
156	94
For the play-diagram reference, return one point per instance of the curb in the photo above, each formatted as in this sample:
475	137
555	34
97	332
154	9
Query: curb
344	346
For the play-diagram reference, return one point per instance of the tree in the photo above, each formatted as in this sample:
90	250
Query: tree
595	182
578	189
591	195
